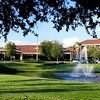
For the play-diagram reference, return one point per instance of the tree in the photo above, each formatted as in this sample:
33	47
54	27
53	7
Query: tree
76	47
56	50
25	14
94	52
51	50
46	49
10	49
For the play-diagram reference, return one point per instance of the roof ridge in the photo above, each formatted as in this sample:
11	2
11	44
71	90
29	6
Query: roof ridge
91	41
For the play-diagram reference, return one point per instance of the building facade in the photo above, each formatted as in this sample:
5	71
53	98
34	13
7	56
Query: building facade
23	52
70	53
33	52
84	47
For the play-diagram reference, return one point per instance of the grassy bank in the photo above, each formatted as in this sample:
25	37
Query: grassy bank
32	81
14	87
34	69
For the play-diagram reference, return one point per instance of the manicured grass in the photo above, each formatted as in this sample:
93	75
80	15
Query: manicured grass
14	87
35	69
97	68
28	83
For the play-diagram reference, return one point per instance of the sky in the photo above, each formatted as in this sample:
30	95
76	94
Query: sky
47	32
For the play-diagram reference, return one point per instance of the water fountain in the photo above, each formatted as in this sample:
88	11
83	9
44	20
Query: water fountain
82	71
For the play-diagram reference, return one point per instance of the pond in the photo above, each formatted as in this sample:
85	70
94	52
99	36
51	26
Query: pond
81	72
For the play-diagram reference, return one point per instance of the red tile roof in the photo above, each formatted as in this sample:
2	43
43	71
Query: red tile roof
2	50
93	41
69	49
27	49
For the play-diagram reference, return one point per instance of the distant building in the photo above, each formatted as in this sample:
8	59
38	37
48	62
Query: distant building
80	52
84	47
23	52
92	42
27	51
31	52
70	53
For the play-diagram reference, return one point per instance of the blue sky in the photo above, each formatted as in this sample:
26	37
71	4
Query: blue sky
47	32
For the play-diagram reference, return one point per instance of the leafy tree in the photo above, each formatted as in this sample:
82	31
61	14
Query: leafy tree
98	53
46	49
93	52
10	49
51	49
25	14
56	50
76	47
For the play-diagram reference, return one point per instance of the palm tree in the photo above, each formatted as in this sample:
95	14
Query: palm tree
77	48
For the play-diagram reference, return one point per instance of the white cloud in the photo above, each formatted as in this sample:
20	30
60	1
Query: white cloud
17	42
1	44
67	42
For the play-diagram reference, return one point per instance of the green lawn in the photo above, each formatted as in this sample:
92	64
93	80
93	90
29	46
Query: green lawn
35	69
32	81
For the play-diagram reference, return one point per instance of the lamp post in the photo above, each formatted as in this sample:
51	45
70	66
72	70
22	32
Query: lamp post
37	51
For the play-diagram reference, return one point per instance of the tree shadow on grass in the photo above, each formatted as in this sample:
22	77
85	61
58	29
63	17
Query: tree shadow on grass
28	86
37	82
16	64
4	69
48	90
55	66
51	68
